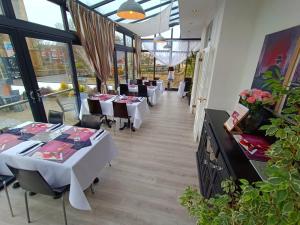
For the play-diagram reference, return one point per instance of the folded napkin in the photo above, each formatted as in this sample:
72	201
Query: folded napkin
81	144
26	136
64	138
15	131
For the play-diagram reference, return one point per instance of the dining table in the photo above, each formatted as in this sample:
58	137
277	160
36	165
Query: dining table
63	154
153	92
137	107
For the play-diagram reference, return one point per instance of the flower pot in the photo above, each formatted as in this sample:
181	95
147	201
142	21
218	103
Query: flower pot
251	123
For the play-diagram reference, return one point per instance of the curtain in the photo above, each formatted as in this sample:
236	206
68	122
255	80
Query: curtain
180	50
138	48
96	34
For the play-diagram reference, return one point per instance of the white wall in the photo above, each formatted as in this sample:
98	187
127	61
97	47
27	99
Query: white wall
245	24
232	50
274	15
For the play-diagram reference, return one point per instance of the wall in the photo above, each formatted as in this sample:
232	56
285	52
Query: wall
245	24
274	15
232	50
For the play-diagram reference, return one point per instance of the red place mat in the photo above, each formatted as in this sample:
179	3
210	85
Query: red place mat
103	97
55	151
83	133
36	128
8	141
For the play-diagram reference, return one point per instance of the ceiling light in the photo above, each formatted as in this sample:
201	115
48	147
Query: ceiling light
131	10
159	38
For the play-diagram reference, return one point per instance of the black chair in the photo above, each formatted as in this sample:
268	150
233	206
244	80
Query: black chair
32	181
124	89
96	110
147	83
90	121
55	117
4	182
188	84
139	81
120	111
153	82
143	92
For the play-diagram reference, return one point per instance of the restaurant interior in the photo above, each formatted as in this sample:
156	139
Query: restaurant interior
149	112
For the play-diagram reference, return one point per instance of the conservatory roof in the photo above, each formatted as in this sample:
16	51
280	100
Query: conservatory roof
152	8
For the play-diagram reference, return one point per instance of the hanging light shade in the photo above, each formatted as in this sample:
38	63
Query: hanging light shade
131	10
159	38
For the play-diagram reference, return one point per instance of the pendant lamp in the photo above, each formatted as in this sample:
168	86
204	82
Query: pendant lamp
159	38
131	10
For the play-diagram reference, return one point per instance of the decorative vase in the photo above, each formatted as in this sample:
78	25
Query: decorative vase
251	123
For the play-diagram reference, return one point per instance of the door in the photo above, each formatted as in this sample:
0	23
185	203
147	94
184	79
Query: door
202	92
16	105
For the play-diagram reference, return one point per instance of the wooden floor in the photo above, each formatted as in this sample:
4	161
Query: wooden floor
143	184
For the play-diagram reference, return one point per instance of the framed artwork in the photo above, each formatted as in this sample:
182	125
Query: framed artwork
237	115
280	54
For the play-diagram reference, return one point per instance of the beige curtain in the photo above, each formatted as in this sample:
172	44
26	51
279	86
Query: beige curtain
96	34
138	48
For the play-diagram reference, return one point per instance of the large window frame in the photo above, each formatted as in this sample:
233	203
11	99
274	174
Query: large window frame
18	30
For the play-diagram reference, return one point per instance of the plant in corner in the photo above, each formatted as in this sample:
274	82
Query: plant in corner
275	200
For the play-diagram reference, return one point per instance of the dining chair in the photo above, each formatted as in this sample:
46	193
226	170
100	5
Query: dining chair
121	112
33	181
124	89
65	106
139	81
147	83
143	92
4	182
153	82
55	117
96	110
90	121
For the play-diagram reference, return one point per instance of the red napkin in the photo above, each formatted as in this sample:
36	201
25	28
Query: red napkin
83	133
36	128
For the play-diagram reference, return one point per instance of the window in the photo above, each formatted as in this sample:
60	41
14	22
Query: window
161	71
147	65
121	67
128	41
42	12
70	22
176	31
130	65
119	38
1	9
85	73
50	60
12	90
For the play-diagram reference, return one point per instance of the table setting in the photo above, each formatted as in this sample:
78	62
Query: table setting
137	107
73	156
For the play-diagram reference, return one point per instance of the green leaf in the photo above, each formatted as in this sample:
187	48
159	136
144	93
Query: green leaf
271	131
288	207
281	195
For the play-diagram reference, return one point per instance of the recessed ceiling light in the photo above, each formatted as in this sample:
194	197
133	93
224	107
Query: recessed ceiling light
195	10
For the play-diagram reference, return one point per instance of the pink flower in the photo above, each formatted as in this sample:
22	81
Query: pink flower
266	94
251	99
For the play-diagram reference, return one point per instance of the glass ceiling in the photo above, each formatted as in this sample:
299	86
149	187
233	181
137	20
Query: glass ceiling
152	8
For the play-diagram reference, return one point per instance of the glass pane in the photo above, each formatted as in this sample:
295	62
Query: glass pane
176	31
178	74
167	34
70	22
85	73
12	90
50	60
128	41
121	67
161	71
119	38
109	7
130	65
91	2
41	12
147	65
1	9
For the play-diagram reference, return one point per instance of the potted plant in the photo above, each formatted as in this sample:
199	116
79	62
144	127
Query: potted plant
275	200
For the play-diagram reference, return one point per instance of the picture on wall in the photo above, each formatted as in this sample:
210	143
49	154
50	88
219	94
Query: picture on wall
280	55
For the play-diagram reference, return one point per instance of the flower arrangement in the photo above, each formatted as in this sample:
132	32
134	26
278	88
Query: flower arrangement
255	98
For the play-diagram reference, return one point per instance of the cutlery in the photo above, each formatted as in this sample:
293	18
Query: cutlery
29	148
98	134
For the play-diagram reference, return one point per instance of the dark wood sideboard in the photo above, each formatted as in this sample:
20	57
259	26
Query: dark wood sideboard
219	156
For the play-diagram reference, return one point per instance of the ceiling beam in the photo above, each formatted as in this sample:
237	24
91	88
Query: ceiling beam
115	11
173	24
174	14
151	8
101	4
148	17
176	18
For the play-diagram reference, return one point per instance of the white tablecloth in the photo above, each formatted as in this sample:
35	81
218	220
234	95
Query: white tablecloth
79	170
181	92
153	93
137	111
